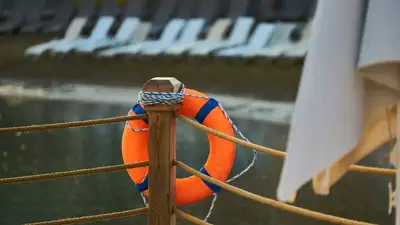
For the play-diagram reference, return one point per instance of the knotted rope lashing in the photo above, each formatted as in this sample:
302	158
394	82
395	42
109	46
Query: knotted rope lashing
170	98
167	98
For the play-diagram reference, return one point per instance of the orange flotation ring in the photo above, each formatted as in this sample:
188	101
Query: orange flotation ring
221	156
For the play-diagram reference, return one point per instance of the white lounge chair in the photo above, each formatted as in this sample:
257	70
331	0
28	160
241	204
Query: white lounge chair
239	35
108	11
140	34
123	36
185	10
189	34
99	32
73	31
215	34
260	37
169	34
125	33
280	41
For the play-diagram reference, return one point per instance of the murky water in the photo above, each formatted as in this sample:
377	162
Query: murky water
357	196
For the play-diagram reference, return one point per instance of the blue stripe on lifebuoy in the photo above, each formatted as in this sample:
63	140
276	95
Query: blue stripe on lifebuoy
139	110
205	110
144	185
213	187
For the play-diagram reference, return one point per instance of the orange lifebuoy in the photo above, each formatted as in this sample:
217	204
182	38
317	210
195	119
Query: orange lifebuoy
221	156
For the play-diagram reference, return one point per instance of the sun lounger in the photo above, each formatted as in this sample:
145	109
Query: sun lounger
86	11
208	10
185	12
260	37
240	30
163	12
239	35
139	36
280	41
108	11
124	34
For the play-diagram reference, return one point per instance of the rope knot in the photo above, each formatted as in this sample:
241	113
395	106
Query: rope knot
168	98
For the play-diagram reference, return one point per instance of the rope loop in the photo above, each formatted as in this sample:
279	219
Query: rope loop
167	98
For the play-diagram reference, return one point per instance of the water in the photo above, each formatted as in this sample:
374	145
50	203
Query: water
357	196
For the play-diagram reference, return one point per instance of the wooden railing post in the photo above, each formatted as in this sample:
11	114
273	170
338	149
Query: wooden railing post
162	152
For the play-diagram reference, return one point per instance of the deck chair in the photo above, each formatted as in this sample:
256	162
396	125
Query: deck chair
215	33
169	35
108	11
139	36
239	33
186	10
188	36
15	16
63	12
85	12
208	11
239	36
258	40
32	21
170	32
125	32
280	41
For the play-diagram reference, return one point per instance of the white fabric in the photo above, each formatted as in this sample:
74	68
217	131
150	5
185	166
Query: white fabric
327	119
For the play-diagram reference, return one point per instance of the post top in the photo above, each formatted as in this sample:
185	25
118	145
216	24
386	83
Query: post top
163	84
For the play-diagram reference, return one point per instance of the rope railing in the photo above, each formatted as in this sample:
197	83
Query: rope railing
92	218
274	152
71	173
243	193
271	202
260	148
173	98
73	124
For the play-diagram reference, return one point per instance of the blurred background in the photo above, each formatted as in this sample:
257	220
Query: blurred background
67	60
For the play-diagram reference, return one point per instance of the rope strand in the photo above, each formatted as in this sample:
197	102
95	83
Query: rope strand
48	176
191	218
84	123
106	216
267	201
270	151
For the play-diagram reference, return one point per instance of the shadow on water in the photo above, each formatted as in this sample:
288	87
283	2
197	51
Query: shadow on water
357	196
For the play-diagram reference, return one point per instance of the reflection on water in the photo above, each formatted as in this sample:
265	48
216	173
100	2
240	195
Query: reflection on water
58	150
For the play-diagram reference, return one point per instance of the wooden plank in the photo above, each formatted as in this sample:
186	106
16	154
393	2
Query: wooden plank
162	153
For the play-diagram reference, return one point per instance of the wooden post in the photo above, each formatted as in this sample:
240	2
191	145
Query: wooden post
161	148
